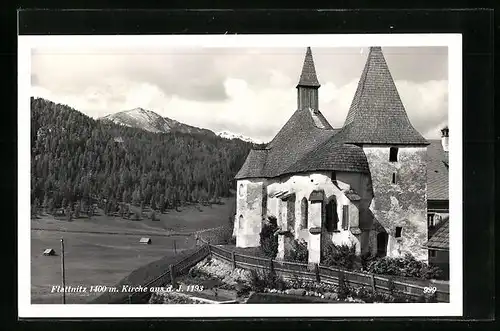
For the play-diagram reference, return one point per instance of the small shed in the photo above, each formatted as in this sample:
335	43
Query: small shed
49	252
145	240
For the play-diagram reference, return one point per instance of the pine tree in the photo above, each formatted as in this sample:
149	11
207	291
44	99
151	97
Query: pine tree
77	209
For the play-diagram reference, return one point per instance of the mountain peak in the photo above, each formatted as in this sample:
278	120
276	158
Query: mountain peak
150	121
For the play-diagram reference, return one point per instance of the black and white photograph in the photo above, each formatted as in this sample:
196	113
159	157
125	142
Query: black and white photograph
225	170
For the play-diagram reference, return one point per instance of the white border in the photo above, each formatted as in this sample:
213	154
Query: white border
454	308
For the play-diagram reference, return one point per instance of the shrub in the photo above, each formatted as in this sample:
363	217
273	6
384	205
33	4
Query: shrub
298	252
260	280
406	266
343	256
268	241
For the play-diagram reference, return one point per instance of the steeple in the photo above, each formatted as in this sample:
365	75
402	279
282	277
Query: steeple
307	88
377	115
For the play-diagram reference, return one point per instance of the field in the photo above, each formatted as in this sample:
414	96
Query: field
103	250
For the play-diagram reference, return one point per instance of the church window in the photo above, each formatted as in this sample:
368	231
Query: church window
345	217
430	220
304	209
398	231
241	190
240	222
394	178
393	154
331	218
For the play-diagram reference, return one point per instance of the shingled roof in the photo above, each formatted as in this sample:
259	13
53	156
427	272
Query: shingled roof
307	142
377	115
308	76
437	172
441	238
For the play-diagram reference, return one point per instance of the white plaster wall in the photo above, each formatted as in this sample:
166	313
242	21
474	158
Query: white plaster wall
302	185
249	212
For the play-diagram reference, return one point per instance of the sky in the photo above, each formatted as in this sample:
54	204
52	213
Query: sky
249	91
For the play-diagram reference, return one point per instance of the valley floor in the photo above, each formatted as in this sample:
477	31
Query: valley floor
103	250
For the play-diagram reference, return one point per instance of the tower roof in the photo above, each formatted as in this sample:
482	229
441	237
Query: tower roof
308	76
377	115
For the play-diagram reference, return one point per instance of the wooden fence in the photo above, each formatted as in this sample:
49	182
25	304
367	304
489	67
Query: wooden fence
168	277
324	274
286	269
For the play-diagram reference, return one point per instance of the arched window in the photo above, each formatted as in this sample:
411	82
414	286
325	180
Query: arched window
331	217
240	190
240	222
304	210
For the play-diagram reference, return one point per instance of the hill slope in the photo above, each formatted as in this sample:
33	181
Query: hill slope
74	156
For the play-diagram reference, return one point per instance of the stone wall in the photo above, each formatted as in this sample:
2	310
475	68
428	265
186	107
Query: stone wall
404	203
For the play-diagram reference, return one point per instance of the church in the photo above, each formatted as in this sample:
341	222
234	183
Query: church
364	184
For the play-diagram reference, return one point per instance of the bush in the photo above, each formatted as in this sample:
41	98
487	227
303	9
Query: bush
298	252
268	241
259	280
406	266
342	256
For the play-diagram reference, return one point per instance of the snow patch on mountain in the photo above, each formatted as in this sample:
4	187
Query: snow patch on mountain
230	135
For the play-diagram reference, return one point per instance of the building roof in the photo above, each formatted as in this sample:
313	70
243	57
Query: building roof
377	115
308	76
332	155
441	238
307	142
437	172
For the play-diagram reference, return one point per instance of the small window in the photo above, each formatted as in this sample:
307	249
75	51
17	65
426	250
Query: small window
334	176
332	218
304	206
393	154
432	253
398	231
240	222
240	190
394	178
430	220
345	217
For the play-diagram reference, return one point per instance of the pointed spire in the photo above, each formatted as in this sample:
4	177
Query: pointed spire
377	115
308	76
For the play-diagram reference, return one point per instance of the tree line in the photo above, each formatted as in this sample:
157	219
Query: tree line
77	161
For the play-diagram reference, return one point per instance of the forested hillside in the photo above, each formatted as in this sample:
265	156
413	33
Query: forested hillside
75	157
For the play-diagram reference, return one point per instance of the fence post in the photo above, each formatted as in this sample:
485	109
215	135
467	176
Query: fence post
233	257
341	278
271	265
316	271
172	275
373	283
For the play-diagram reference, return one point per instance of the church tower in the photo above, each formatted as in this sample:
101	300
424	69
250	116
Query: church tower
307	88
396	153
